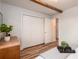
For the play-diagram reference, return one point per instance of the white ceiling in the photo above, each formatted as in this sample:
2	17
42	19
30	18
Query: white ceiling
61	4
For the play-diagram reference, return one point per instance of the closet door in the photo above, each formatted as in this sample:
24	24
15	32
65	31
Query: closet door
51	30
32	31
26	31
37	31
48	31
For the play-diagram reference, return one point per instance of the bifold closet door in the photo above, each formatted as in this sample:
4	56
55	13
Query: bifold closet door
32	31
51	30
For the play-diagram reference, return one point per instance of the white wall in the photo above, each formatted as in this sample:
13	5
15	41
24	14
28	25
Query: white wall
0	5
68	23
0	12
13	16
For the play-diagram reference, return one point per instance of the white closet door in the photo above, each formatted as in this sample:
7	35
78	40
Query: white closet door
48	31
37	31
32	33
26	32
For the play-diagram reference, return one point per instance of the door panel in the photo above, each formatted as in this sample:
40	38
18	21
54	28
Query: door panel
50	30
33	33
37	31
26	32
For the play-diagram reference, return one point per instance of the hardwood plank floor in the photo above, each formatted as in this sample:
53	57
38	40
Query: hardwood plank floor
32	52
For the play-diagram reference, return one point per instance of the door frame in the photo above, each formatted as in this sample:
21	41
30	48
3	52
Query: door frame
57	31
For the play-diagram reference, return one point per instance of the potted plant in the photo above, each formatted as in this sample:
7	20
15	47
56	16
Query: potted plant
63	46
2	33
6	29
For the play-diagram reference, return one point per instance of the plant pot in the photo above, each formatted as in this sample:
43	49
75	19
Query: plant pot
68	49
2	35
60	48
7	38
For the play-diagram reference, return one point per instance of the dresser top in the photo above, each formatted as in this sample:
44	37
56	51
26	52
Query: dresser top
14	41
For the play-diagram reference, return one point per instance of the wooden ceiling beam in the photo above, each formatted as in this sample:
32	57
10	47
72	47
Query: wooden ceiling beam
48	6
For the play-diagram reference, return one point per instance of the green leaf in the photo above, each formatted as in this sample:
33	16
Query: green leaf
5	28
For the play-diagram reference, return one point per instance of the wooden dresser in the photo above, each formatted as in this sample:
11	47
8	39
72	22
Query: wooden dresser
11	49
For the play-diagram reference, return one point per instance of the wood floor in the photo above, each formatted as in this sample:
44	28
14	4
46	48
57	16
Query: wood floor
32	52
